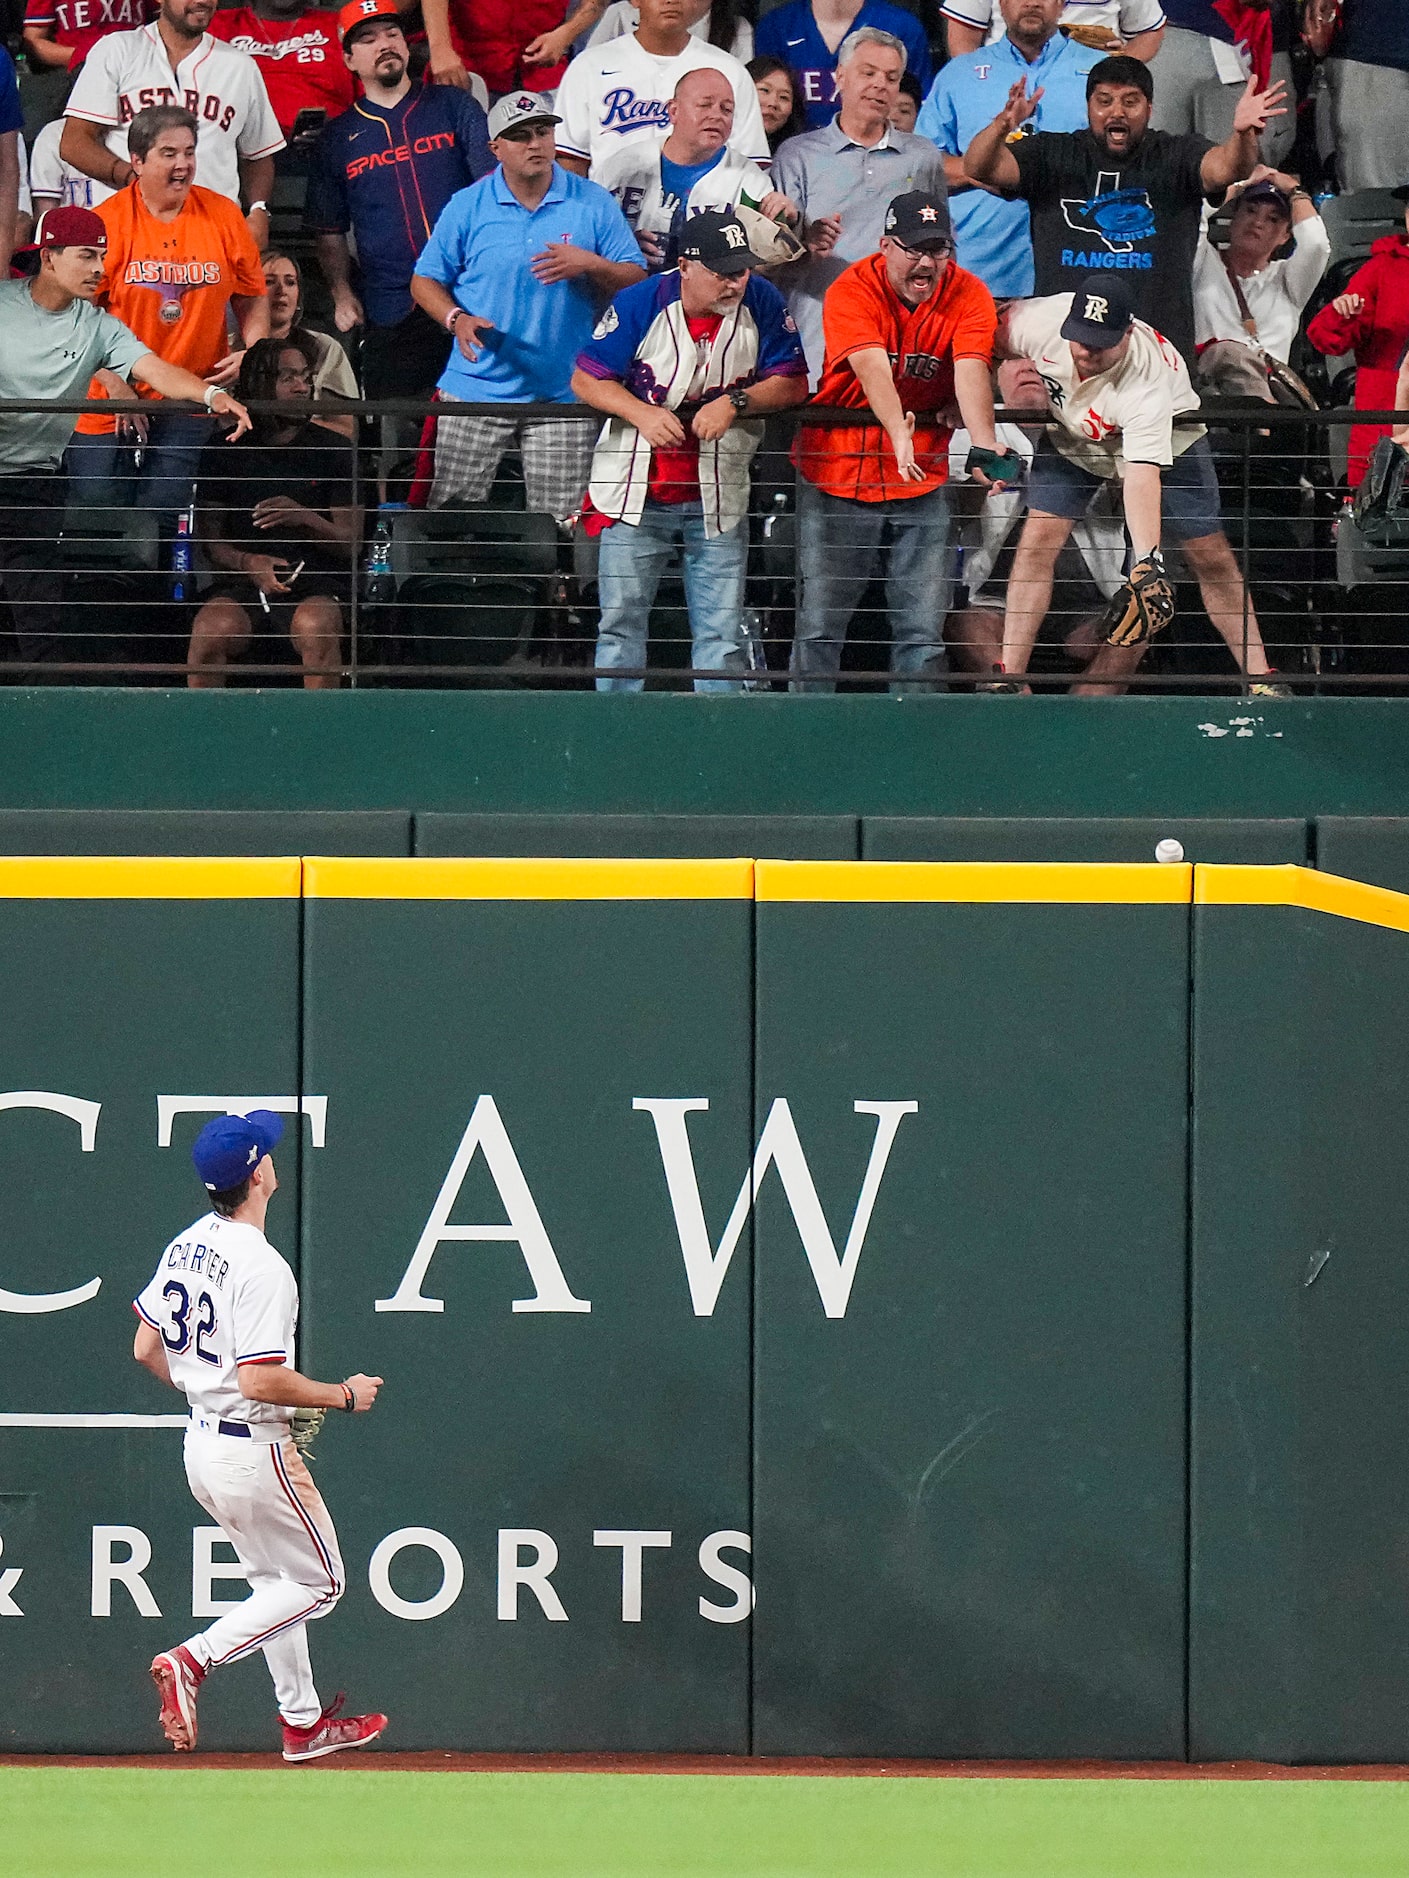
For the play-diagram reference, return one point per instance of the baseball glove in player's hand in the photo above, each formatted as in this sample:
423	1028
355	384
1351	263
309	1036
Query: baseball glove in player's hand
1142	606
304	1428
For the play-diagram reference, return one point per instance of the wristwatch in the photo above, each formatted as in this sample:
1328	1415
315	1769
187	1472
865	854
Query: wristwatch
739	398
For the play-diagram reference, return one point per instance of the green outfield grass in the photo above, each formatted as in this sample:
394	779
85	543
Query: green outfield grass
68	1822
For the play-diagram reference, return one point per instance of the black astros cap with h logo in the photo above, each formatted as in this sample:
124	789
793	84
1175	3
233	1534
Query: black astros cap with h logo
1101	314
919	220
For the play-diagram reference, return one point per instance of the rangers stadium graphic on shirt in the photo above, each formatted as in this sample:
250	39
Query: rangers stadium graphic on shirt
1116	218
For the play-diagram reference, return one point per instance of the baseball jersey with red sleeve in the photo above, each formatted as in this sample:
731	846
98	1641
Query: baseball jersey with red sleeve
82	23
862	312
299	59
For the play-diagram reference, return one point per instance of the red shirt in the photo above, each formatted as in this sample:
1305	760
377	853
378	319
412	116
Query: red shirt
490	37
299	59
82	23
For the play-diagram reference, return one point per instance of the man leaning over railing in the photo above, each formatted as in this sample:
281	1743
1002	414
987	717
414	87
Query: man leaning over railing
675	363
56	339
1115	387
908	335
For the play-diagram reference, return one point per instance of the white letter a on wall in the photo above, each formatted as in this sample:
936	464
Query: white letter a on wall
486	1134
778	1146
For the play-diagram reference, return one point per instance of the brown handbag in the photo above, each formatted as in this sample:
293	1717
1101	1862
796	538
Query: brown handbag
1287	388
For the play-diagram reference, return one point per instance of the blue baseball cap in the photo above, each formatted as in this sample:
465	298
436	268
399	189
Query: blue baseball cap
1102	313
229	1149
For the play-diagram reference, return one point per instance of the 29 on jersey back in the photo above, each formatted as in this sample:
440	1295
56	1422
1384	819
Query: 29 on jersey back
222	1297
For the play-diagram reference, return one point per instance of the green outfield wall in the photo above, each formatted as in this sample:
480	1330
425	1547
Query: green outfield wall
827	1306
563	753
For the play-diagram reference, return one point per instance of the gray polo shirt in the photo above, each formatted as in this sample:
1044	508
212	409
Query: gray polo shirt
825	173
52	355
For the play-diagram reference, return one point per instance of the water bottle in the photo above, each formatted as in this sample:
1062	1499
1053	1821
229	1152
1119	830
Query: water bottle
181	553
755	654
378	581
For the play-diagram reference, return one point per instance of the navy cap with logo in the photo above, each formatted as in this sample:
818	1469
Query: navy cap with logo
1101	313
919	220
229	1149
717	239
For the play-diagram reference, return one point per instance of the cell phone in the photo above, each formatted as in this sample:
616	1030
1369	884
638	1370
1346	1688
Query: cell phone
309	121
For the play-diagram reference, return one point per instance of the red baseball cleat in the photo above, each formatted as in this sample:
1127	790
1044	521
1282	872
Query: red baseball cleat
331	1733
178	1675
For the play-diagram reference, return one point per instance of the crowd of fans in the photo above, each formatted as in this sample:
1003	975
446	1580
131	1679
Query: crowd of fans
1115	218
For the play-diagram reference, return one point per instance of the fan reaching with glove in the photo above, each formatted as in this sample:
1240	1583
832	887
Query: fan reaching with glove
1124	411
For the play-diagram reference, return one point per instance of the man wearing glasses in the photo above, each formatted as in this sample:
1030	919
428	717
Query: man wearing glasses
908	335
517	270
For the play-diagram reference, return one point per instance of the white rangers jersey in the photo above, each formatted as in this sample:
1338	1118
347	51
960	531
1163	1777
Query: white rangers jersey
616	94
57	181
222	1297
220	87
1124	415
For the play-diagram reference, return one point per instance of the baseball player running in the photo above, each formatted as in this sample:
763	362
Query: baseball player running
218	1321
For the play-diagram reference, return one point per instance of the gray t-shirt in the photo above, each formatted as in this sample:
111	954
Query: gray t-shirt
52	355
825	173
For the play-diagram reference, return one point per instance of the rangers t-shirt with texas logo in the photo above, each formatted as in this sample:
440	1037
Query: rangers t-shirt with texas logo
616	93
1138	215
299	58
1125	415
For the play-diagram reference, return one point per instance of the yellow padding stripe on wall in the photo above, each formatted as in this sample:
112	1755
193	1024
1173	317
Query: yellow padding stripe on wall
1305	887
340	879
1121	883
148	877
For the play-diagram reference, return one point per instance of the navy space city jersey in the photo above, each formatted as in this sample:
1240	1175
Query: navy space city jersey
387	174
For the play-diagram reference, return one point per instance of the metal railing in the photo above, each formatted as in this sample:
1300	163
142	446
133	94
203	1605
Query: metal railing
492	594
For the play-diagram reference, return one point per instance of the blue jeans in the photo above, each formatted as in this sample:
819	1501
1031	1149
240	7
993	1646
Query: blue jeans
102	474
631	563
839	544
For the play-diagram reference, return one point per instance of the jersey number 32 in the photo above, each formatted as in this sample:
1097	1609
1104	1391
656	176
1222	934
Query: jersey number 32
179	1338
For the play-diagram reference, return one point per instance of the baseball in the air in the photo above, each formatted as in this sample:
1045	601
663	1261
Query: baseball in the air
1169	850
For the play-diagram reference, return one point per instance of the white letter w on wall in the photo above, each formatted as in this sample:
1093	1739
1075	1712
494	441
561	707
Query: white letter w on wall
778	1146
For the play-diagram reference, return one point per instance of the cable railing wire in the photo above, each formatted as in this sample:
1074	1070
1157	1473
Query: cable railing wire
492	595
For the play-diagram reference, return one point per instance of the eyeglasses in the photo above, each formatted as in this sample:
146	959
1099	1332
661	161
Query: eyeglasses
526	133
941	250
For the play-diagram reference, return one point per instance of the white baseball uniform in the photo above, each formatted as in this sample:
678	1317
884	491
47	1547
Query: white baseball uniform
221	1298
616	94
220	87
1123	415
1126	17
52	178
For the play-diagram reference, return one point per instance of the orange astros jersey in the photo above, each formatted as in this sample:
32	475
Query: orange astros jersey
170	282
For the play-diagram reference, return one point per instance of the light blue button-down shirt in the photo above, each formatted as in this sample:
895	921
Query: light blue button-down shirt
994	236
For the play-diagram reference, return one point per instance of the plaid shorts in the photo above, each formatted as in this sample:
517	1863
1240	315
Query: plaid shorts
557	458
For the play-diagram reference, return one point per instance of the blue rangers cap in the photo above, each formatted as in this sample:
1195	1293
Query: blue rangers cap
229	1149
1102	313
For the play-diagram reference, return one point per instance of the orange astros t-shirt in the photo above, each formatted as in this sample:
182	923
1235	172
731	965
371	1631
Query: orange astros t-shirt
862	310
170	282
